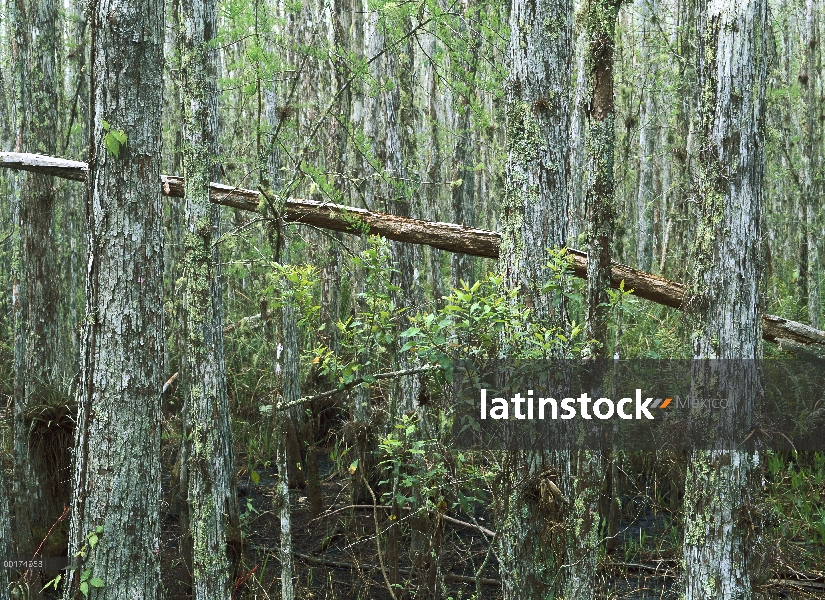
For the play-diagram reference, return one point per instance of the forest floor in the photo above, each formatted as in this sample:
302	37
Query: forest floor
336	557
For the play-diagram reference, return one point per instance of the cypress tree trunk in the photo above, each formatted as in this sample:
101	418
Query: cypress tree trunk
600	204
600	210
42	415
5	536
812	160
281	500
117	477
212	504
463	194
719	553
645	197
534	218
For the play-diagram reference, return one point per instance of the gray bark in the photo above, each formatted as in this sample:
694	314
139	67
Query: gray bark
463	194
600	203
533	219
39	393
5	536
281	500
645	196
212	505
385	125
117	477
719	554
812	162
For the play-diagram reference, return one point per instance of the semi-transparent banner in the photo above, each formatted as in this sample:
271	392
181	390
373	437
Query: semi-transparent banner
640	404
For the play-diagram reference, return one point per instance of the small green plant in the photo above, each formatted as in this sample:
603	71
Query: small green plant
86	577
114	139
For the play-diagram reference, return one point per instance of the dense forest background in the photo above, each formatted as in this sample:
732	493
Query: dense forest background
412	109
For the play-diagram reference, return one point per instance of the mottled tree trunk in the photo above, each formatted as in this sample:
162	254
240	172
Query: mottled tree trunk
645	197
5	537
719	541
812	163
463	184
600	204
117	477
212	504
42	411
281	500
533	219
599	24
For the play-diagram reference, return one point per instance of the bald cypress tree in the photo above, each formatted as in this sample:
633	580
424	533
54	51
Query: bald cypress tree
212	505
41	415
117	478
719	555
533	219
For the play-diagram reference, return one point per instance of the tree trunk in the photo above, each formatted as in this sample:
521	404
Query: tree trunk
533	219
117	476
463	183
281	500
5	536
42	410
645	198
812	161
212	505
600	204
719	545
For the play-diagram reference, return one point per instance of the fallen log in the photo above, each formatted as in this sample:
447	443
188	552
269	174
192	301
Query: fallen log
446	236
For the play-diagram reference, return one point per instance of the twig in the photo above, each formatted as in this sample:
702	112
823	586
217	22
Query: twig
358	381
378	536
345	565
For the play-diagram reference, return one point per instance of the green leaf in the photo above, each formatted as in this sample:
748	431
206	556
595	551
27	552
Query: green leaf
105	124
53	582
99	529
96	582
85	575
84	588
255	477
112	145
93	539
120	136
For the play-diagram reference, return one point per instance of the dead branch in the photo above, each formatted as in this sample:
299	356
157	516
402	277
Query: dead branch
446	236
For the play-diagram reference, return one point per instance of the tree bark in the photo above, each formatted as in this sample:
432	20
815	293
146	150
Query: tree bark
281	501
117	476
212	505
722	484
5	536
41	460
600	204
812	163
533	220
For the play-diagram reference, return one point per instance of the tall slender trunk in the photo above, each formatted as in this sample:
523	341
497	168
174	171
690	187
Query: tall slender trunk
533	219
42	411
463	193
812	161
5	536
721	486
645	197
281	500
117	476
600	204
212	504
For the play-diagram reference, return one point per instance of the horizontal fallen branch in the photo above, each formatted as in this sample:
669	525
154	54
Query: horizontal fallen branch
356	382
446	236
